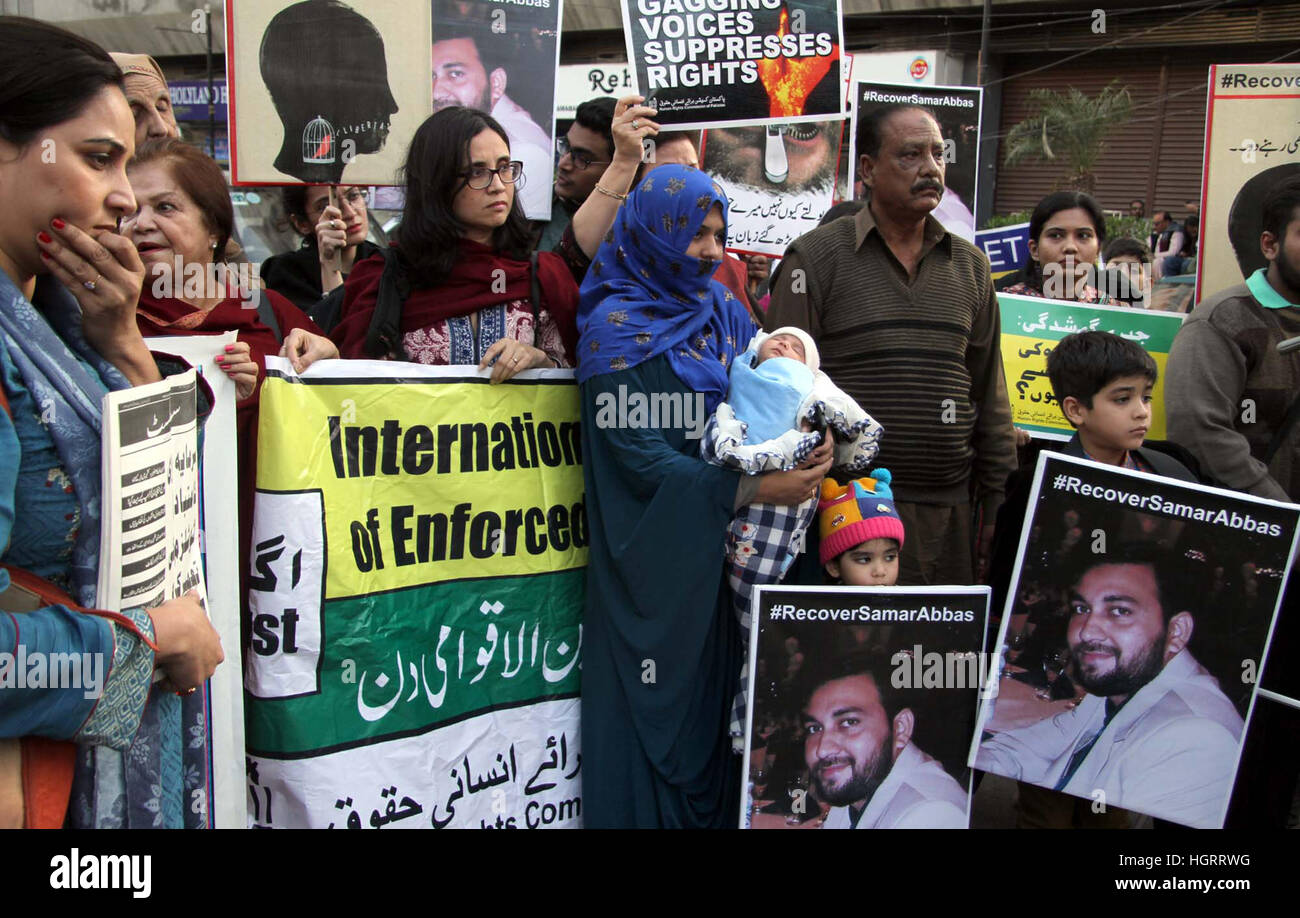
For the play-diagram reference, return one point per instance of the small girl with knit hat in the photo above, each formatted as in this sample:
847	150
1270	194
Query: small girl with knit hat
861	534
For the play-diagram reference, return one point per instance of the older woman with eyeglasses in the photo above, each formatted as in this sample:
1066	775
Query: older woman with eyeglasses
458	286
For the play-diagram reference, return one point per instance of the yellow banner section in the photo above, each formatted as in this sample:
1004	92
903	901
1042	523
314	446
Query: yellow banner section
430	478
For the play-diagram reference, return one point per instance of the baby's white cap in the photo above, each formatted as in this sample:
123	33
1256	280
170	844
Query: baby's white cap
811	358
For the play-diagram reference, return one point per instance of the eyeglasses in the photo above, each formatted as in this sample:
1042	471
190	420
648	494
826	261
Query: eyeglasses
480	177
580	160
355	198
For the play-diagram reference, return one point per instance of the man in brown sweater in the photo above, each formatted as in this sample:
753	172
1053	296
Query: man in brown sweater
1227	389
1227	395
907	323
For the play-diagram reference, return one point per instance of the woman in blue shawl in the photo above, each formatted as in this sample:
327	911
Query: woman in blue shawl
68	288
661	650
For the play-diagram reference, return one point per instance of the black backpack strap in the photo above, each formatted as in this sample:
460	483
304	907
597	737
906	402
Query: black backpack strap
384	337
325	311
267	315
535	294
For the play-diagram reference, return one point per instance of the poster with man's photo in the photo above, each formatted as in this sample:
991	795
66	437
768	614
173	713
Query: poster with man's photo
322	91
767	63
862	707
1137	619
779	181
502	56
957	109
1252	144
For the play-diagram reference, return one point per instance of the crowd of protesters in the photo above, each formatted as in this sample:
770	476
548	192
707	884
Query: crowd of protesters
628	284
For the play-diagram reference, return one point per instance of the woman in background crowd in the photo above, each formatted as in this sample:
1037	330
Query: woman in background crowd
68	290
333	223
457	287
1066	232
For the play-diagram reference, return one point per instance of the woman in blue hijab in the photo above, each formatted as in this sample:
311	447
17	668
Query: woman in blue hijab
661	650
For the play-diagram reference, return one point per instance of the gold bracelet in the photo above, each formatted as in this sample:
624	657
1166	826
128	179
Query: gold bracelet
612	194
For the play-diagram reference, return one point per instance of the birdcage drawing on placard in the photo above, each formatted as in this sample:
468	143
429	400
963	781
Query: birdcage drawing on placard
318	141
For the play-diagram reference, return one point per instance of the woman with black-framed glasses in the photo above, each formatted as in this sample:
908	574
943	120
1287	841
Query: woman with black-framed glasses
461	286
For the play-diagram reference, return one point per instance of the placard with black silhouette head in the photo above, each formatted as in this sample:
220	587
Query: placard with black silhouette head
780	180
323	91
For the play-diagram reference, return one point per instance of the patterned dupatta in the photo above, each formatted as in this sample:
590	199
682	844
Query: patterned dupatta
643	296
148	784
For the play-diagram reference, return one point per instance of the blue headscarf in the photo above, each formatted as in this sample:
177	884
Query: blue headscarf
643	296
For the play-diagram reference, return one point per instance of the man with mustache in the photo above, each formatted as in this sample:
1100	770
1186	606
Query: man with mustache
1155	733
861	760
907	321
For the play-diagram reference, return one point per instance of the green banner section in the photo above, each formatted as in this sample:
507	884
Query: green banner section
404	662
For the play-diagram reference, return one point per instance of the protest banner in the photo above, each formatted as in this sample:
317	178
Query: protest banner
957	109
1139	611
501	57
704	63
1252	143
219	542
1030	328
779	182
315	94
909	660
1007	247
417	585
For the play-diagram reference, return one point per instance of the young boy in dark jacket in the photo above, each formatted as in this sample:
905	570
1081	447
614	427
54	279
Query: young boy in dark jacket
1103	384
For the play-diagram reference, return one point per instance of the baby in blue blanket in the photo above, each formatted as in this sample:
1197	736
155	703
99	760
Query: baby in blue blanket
778	405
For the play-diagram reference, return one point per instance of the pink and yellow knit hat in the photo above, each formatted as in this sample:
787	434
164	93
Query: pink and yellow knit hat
851	514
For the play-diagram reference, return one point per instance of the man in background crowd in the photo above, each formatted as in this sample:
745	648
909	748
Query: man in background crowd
586	149
1166	239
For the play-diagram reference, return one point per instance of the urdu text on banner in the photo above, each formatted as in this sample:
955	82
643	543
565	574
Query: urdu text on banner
417	572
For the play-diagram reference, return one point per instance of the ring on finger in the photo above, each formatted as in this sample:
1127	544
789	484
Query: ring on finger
90	284
634	124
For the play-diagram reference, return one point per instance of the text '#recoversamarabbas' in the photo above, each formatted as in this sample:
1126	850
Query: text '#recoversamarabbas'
1156	503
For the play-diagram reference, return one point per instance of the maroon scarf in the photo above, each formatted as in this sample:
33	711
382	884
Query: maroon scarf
474	283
